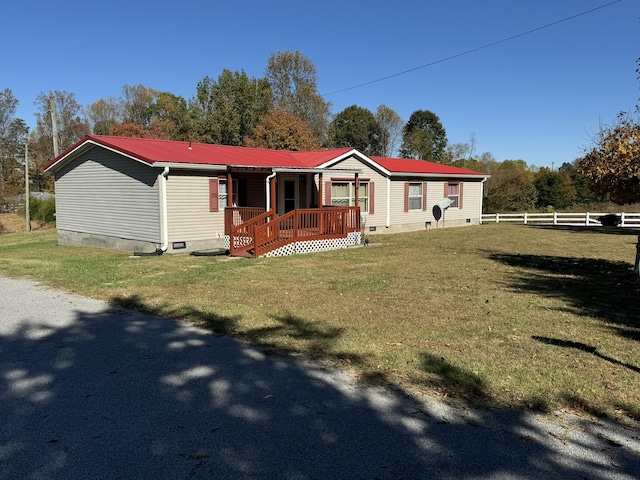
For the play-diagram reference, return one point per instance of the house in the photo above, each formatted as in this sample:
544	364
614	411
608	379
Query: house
159	196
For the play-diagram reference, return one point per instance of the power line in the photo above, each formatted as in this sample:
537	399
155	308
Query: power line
473	50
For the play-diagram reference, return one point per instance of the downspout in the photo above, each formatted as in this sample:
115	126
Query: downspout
164	222
388	220
268	189
482	196
164	227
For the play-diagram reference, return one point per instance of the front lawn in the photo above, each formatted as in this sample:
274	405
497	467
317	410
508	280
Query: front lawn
507	315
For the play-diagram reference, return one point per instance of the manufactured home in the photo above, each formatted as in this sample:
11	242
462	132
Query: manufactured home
159	196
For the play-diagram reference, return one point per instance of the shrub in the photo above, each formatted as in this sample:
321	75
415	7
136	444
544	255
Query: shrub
43	211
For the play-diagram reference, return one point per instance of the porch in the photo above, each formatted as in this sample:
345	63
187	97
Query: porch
281	227
253	233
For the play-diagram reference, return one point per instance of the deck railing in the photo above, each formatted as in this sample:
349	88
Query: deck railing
265	232
588	219
242	237
235	216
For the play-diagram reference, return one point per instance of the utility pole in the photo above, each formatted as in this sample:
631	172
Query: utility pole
54	125
27	194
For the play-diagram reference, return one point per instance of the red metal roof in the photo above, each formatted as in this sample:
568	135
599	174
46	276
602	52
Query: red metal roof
408	165
153	151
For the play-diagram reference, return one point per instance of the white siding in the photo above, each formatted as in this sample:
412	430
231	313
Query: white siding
102	193
188	209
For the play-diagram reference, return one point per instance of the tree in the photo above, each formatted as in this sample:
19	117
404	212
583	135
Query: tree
459	154
356	127
12	138
70	128
580	183
294	84
391	125
104	114
554	189
613	163
510	187
168	117
424	137
280	130
137	104
130	129
229	109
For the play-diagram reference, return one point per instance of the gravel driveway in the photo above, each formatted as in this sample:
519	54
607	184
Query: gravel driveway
88	391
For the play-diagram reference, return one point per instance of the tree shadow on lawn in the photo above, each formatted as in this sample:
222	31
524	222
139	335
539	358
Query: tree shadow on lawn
592	287
93	391
584	229
585	348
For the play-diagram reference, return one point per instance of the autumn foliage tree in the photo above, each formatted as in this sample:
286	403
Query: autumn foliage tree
294	84
613	164
280	130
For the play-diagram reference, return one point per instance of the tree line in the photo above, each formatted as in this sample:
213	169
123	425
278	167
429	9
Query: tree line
284	110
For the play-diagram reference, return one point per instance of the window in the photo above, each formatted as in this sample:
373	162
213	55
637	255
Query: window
415	196
223	192
453	194
343	194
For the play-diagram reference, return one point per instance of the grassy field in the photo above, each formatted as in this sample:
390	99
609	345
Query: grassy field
506	315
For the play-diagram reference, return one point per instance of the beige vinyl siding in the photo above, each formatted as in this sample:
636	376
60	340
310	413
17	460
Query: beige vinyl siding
188	212
103	193
471	198
379	216
412	217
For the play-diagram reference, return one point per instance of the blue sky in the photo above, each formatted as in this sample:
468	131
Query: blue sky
538	97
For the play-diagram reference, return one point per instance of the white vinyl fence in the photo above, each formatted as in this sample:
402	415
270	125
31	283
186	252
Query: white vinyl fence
587	219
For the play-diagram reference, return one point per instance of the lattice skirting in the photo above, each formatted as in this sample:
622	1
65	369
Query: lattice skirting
309	246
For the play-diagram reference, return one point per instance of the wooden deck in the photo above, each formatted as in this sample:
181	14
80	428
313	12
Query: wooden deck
266	232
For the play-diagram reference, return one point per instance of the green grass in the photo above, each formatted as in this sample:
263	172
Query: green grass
507	315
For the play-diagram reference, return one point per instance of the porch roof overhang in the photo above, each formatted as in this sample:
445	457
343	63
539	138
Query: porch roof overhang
317	170
191	166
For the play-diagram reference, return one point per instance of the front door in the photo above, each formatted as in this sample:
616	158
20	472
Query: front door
288	193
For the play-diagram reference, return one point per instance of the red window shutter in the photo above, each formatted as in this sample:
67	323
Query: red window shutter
446	189
371	199
406	196
424	196
460	195
327	193
213	195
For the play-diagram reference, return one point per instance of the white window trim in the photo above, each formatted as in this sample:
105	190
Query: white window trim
352	193
421	185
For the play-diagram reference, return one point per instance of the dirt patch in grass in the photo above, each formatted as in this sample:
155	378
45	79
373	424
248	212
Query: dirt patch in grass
15	223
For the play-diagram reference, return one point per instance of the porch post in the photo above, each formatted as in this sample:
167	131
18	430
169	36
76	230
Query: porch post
229	190
274	200
321	201
357	186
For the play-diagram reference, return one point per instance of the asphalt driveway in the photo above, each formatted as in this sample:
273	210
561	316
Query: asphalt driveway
88	391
